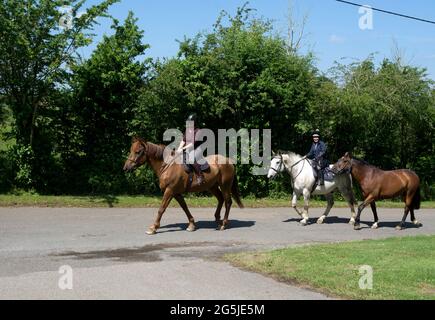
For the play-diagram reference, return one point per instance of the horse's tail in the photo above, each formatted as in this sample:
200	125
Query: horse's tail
235	192
416	200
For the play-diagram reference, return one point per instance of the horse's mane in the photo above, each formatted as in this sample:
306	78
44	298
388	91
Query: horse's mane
289	153
154	151
364	163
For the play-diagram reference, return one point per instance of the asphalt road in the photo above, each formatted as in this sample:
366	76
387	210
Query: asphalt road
112	258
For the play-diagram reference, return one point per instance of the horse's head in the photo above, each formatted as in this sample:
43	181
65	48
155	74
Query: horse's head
343	164
276	166
137	155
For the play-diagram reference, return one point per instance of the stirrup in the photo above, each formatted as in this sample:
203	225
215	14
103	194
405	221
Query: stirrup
200	179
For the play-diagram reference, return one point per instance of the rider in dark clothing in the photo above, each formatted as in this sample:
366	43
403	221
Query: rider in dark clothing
318	153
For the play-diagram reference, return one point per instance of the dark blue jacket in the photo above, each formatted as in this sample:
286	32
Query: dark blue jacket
318	151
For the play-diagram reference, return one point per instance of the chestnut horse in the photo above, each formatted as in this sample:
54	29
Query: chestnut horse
378	184
220	180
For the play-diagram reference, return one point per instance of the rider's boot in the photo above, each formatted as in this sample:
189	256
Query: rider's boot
321	178
199	174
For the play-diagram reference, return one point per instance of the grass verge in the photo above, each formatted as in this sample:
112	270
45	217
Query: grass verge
403	267
123	201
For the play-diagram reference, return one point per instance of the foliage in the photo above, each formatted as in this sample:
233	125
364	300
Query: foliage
384	115
238	76
67	121
33	57
104	93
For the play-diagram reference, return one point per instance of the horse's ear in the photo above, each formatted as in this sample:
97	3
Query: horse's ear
137	139
348	155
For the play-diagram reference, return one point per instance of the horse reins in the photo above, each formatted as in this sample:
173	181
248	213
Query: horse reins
141	153
291	167
345	170
278	171
167	165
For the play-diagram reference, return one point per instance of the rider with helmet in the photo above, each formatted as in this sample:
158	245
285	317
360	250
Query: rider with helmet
318	153
192	147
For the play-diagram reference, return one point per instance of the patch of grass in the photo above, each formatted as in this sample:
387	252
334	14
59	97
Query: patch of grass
22	199
403	267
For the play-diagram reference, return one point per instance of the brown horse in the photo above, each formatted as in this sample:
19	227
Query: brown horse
378	184
220	180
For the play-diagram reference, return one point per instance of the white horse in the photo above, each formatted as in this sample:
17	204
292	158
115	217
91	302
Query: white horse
302	176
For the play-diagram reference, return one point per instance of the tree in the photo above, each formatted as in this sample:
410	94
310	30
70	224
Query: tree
34	56
105	90
383	114
238	76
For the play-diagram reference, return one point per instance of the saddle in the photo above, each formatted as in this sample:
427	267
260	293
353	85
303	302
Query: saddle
328	175
188	168
203	167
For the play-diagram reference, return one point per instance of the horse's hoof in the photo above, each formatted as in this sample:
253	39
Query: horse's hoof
399	227
320	221
352	222
151	231
417	224
375	226
191	228
356	227
303	223
222	228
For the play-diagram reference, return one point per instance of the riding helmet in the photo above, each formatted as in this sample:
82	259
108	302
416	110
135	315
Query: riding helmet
192	117
316	133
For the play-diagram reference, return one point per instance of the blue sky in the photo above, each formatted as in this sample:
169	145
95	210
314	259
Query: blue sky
332	30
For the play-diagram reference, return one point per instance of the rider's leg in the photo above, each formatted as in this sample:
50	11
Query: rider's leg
321	178
197	165
320	172
198	172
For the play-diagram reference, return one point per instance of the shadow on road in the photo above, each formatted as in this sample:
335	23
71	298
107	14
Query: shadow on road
364	224
234	224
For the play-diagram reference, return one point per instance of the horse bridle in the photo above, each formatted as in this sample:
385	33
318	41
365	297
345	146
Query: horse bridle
291	167
345	169
278	171
141	153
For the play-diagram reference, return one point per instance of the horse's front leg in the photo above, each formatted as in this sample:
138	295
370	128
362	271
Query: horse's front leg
306	194
330	200
167	197
375	215
350	199
295	202
368	200
180	199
